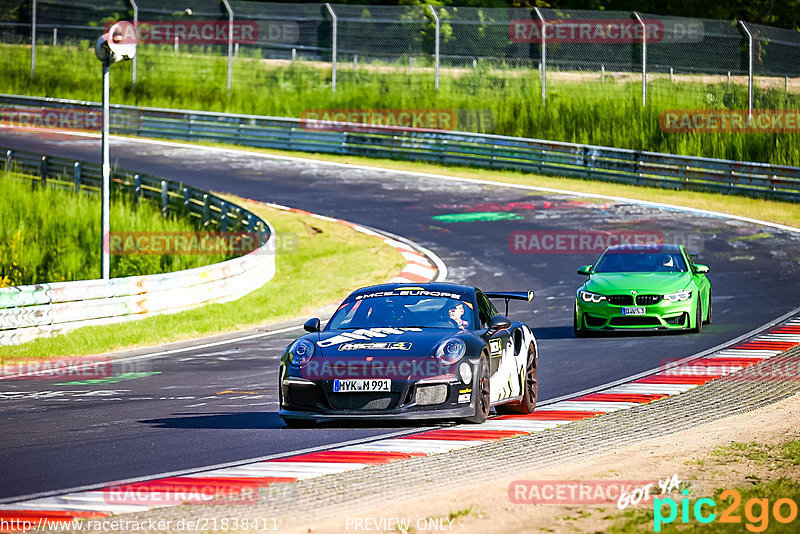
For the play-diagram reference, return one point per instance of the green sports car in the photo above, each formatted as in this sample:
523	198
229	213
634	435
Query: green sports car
643	287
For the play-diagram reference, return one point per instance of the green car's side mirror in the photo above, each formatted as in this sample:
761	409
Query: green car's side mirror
700	269
585	270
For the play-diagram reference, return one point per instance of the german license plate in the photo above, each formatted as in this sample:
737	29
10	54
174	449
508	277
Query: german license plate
350	386
633	311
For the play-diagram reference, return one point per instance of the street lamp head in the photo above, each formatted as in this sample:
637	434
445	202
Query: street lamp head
118	44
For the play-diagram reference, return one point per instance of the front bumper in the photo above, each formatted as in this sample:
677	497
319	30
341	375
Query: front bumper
664	315
407	399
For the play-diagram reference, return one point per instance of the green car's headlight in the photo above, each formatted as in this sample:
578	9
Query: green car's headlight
679	296
587	296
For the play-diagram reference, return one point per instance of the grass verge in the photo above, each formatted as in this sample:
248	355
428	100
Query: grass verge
330	260
774	211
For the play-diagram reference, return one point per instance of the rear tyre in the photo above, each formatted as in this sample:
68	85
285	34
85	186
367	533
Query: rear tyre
530	388
698	318
483	402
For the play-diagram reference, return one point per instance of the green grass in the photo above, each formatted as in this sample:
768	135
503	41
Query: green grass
329	261
51	234
582	111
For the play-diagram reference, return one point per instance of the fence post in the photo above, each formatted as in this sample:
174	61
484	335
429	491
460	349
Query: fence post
137	188
333	47
435	47
543	63
55	35
76	167
136	27
9	158
164	198
223	216
206	210
33	37
644	57
230	42
603	74
749	71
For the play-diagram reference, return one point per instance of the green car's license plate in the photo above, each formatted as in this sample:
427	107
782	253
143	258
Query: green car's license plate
633	311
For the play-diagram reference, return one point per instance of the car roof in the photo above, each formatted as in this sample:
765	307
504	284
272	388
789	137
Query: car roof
668	248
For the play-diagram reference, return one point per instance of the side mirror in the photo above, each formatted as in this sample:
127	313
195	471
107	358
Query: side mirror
312	325
499	322
585	270
700	269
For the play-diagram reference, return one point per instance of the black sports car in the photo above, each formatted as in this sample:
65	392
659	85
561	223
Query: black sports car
428	351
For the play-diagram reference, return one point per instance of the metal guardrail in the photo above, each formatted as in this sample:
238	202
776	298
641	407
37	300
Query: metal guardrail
446	147
39	310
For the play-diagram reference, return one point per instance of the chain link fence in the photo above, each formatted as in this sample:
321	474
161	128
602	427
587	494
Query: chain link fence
224	44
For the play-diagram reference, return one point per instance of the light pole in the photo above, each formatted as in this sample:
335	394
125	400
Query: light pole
116	45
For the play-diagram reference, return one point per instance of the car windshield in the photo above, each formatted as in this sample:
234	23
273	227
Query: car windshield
641	262
392	309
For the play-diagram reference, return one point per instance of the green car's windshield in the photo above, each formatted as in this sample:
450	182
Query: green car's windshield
640	262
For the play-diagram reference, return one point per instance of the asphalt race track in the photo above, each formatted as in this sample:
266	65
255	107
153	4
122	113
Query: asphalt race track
212	406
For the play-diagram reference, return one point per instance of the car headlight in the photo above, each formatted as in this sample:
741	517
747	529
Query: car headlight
301	352
587	296
450	351
679	296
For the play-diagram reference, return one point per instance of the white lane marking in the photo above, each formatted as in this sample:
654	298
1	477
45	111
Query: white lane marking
587	406
427	446
651	389
522	424
419	270
297	470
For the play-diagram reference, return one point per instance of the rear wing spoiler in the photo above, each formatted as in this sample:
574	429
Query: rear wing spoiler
510	295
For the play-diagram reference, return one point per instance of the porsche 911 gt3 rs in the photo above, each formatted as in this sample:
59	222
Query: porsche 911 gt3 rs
428	351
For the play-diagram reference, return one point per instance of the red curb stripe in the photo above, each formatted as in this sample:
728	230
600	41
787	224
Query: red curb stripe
52	515
413	277
771	345
786	329
355	457
466	435
551	415
676	380
622	397
255	481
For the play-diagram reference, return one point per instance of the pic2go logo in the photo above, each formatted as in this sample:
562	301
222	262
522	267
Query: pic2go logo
756	511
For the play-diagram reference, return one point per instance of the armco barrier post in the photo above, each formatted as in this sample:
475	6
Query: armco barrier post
137	188
333	47
543	63
435	47
187	201
230	42
749	71
43	170
164	198
644	58
77	176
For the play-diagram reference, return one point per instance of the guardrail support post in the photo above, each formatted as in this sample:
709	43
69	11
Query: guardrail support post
749	71
43	170
230	42
187	201
137	188
33	37
136	27
206	210
9	159
164	198
223	217
435	47
644	57
333	47
76	168
543	63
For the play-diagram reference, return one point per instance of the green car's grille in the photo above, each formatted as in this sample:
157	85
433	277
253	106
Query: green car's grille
648	300
620	300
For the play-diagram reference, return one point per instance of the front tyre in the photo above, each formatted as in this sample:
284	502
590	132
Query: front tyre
482	394
698	318
530	388
579	332
710	310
